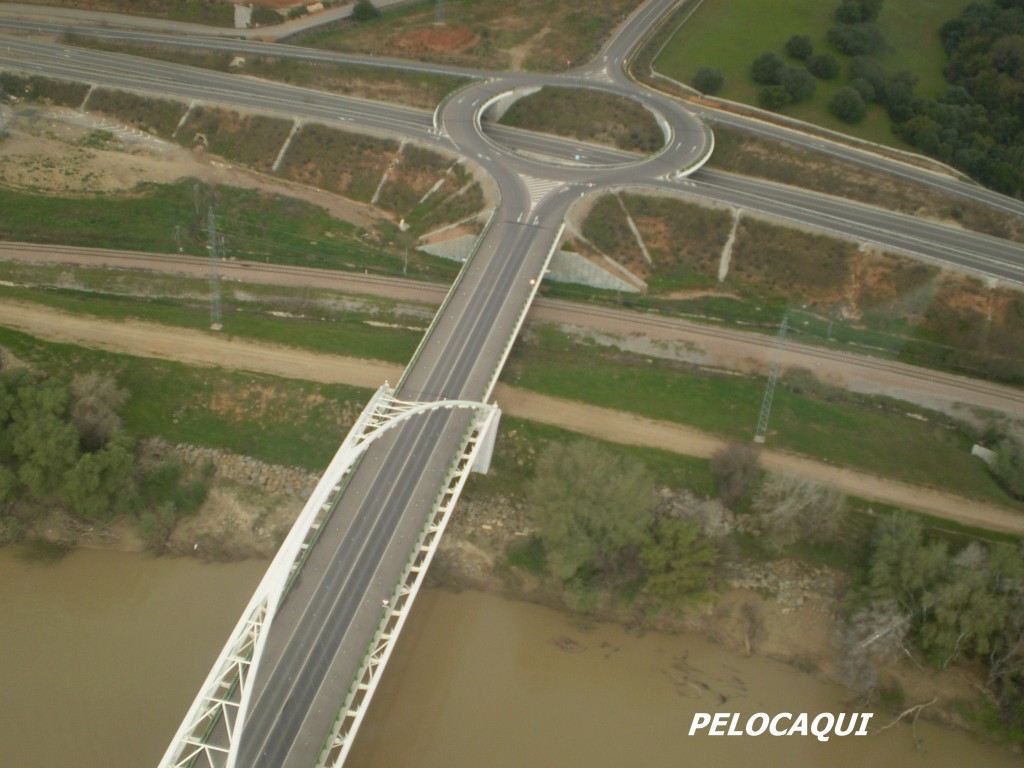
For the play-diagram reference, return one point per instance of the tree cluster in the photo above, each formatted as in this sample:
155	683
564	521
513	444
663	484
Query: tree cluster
64	446
782	84
967	604
977	125
597	522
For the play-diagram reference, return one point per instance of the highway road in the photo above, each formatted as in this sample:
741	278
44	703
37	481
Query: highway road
317	642
517	151
608	65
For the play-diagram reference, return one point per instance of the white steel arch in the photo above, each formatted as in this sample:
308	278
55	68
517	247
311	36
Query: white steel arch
223	700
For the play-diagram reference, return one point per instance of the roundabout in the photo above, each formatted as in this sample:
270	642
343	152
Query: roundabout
468	119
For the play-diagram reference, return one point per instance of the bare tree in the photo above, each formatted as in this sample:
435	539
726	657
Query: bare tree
715	520
874	635
96	403
792	509
735	467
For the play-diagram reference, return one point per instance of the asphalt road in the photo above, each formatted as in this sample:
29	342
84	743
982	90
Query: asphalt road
319	637
518	152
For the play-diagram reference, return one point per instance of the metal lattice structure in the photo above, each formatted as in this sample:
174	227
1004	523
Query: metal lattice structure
211	732
477	443
769	389
211	235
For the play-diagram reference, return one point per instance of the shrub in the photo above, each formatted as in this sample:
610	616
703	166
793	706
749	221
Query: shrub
773	97
864	88
857	39
800	47
824	66
708	80
798	84
364	10
848	105
767	69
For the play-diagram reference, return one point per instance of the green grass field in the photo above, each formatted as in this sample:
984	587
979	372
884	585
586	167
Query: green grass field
729	34
164	217
280	421
883	437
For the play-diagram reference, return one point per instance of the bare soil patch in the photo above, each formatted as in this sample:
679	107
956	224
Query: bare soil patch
63	152
436	39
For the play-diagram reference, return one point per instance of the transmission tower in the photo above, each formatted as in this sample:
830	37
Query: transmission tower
439	12
769	389
211	240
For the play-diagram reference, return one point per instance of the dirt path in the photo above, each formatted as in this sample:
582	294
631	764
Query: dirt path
211	349
651	335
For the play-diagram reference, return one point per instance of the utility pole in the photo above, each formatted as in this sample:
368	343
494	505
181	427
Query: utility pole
211	243
769	389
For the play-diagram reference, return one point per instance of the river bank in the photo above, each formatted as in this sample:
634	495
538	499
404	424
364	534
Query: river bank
783	610
104	651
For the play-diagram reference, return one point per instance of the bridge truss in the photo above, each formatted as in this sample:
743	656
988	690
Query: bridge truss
211	732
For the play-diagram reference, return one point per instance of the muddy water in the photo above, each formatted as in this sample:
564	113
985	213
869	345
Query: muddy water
101	653
481	681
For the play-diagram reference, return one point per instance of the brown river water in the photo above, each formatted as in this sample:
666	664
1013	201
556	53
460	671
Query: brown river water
101	653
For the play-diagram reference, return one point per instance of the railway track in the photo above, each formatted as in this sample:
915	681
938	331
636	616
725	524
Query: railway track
585	316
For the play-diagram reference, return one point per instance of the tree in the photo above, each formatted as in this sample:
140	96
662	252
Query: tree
364	10
100	485
848	105
855	11
708	80
857	39
773	97
799	47
969	612
869	638
592	508
824	66
903	567
1009	466
864	88
798	84
96	403
677	560
792	509
43	443
715	521
735	468
767	69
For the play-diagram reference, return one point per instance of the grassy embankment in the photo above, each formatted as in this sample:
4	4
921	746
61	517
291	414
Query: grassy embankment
834	293
165	217
280	421
295	423
729	34
550	36
587	115
750	155
888	438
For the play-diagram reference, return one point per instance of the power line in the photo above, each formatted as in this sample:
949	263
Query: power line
769	389
211	243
